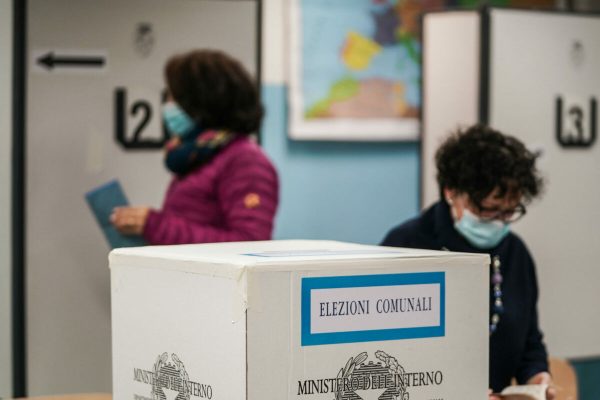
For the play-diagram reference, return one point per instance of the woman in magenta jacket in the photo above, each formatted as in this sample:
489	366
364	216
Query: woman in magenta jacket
224	188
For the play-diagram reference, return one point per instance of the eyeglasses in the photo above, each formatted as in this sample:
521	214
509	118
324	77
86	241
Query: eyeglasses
507	216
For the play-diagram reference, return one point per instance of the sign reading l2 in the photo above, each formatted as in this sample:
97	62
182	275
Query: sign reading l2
363	308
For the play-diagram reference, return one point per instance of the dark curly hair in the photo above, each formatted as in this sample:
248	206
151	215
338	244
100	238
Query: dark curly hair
479	159
215	89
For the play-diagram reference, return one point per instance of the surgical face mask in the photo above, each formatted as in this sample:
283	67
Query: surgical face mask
177	121
481	234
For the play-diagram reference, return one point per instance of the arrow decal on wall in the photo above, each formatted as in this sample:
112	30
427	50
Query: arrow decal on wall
49	61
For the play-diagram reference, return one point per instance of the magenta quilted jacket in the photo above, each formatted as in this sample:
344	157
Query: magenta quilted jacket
232	198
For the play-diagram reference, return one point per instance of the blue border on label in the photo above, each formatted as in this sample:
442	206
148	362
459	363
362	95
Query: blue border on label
333	282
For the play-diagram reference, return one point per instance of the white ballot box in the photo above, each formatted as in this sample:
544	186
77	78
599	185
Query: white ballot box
298	320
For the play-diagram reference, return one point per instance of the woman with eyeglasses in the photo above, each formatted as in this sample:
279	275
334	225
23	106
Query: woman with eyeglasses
485	180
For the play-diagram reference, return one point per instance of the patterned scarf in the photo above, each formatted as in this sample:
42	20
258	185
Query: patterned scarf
185	155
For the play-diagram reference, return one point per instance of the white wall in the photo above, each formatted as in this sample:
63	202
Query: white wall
5	196
274	36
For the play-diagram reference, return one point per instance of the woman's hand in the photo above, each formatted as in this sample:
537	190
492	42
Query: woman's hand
544	377
491	396
130	220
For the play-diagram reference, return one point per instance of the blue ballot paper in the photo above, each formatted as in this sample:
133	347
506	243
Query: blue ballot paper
102	200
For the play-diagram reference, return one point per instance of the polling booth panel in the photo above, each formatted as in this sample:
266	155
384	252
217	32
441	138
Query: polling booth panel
451	68
94	92
6	36
536	78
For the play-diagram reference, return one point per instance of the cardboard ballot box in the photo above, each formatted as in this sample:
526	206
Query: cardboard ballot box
298	320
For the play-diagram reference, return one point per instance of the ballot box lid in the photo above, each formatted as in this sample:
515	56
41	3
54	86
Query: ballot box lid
233	258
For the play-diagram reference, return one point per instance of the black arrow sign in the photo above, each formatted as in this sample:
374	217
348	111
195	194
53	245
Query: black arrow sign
50	61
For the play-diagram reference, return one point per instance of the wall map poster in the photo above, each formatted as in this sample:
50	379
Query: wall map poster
355	69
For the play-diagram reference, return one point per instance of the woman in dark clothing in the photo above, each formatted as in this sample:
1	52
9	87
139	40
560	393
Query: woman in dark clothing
485	179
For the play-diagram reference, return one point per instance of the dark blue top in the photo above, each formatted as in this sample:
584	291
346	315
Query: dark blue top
516	347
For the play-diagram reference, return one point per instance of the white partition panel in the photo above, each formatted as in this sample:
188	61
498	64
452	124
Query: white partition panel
562	230
450	83
6	35
544	89
94	67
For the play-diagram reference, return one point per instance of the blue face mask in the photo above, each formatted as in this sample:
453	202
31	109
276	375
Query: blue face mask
177	121
481	234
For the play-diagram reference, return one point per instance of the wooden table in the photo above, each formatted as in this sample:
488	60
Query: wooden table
82	396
